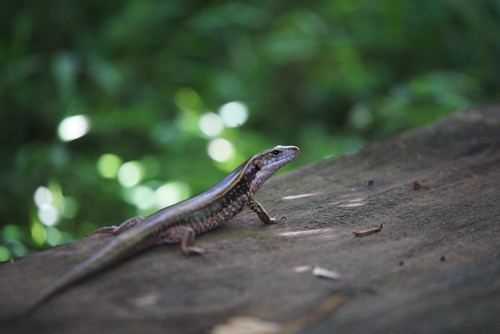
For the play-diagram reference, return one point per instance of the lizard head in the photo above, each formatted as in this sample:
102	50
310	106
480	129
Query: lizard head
263	165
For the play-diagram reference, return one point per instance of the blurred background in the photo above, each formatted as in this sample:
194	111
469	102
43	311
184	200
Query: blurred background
111	109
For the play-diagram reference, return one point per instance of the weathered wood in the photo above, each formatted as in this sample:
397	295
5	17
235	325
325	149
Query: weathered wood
433	268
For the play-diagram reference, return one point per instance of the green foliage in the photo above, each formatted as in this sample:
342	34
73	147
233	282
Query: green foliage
328	76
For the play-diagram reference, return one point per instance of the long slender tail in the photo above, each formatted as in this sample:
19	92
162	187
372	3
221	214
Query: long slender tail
113	252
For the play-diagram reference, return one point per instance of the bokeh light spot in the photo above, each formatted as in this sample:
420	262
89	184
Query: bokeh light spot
211	124
54	236
70	207
4	254
171	193
108	165
47	212
142	197
42	196
187	99
73	127
234	114
38	233
220	150
48	215
130	173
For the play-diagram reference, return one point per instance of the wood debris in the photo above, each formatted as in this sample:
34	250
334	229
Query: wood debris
366	232
325	273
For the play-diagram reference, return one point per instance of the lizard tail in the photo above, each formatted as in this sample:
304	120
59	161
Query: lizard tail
113	252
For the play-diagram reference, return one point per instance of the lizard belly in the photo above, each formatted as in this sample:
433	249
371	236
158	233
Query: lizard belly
202	221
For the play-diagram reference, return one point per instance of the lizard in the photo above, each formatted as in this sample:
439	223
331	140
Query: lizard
181	222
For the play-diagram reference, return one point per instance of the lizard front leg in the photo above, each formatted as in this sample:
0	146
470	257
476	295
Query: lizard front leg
118	229
263	215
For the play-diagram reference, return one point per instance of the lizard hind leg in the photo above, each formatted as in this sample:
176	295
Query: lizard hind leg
186	236
118	229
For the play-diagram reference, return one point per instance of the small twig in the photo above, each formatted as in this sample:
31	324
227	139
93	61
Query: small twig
369	231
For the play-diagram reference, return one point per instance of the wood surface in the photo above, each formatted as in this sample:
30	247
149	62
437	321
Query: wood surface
434	267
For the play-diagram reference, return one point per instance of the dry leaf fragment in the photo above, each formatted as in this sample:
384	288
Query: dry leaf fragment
325	273
302	268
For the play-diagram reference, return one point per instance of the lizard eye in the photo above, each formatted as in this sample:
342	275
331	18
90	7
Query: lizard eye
275	152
